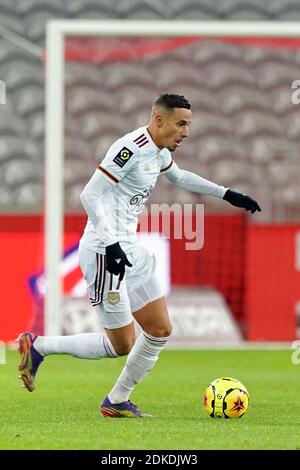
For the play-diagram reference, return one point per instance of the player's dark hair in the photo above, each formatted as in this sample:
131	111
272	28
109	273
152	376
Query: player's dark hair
171	101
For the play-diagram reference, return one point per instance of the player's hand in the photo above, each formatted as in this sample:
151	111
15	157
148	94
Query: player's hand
241	200
116	260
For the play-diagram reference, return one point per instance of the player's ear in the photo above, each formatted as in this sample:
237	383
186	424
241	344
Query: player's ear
158	120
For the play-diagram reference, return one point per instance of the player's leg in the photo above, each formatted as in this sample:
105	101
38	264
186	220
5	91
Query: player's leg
152	315
34	348
153	318
90	345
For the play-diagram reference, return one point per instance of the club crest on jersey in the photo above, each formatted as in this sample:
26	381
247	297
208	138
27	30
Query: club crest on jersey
123	156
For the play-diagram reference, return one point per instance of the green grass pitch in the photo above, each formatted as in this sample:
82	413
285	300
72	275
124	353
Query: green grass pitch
63	413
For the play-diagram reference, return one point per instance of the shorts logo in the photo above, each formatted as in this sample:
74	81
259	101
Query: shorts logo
113	297
123	156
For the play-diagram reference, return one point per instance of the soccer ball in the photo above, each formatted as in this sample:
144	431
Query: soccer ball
226	398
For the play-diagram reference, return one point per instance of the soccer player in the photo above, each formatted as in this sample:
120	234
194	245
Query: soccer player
120	274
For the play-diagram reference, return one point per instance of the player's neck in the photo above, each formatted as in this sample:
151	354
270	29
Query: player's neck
153	136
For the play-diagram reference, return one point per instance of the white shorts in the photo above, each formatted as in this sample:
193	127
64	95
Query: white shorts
115	301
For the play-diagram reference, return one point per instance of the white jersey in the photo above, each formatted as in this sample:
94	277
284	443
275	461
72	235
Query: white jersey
117	193
131	165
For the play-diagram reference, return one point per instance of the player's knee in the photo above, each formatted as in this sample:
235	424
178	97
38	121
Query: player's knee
124	348
169	331
162	331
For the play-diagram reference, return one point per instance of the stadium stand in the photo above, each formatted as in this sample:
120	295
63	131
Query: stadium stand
240	95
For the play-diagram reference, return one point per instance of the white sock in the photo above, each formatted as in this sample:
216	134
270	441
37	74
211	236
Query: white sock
86	346
140	361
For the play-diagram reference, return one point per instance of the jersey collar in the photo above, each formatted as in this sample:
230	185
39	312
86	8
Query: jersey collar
150	140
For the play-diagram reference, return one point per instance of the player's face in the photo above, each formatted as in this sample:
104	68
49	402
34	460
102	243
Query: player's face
175	128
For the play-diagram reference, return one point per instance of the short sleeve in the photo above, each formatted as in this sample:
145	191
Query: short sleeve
118	160
166	162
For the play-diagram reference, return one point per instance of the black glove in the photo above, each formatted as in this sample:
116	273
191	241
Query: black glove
113	253
241	200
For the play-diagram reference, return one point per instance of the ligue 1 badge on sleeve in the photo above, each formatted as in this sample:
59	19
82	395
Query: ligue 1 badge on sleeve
113	296
123	156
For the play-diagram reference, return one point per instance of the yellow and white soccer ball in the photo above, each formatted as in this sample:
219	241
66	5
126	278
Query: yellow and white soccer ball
226	398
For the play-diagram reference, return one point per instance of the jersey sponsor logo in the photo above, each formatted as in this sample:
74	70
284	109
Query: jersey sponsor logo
138	201
123	156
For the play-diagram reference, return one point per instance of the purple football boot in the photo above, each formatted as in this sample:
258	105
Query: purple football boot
30	360
121	410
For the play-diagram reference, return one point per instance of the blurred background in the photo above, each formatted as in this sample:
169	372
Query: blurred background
244	284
